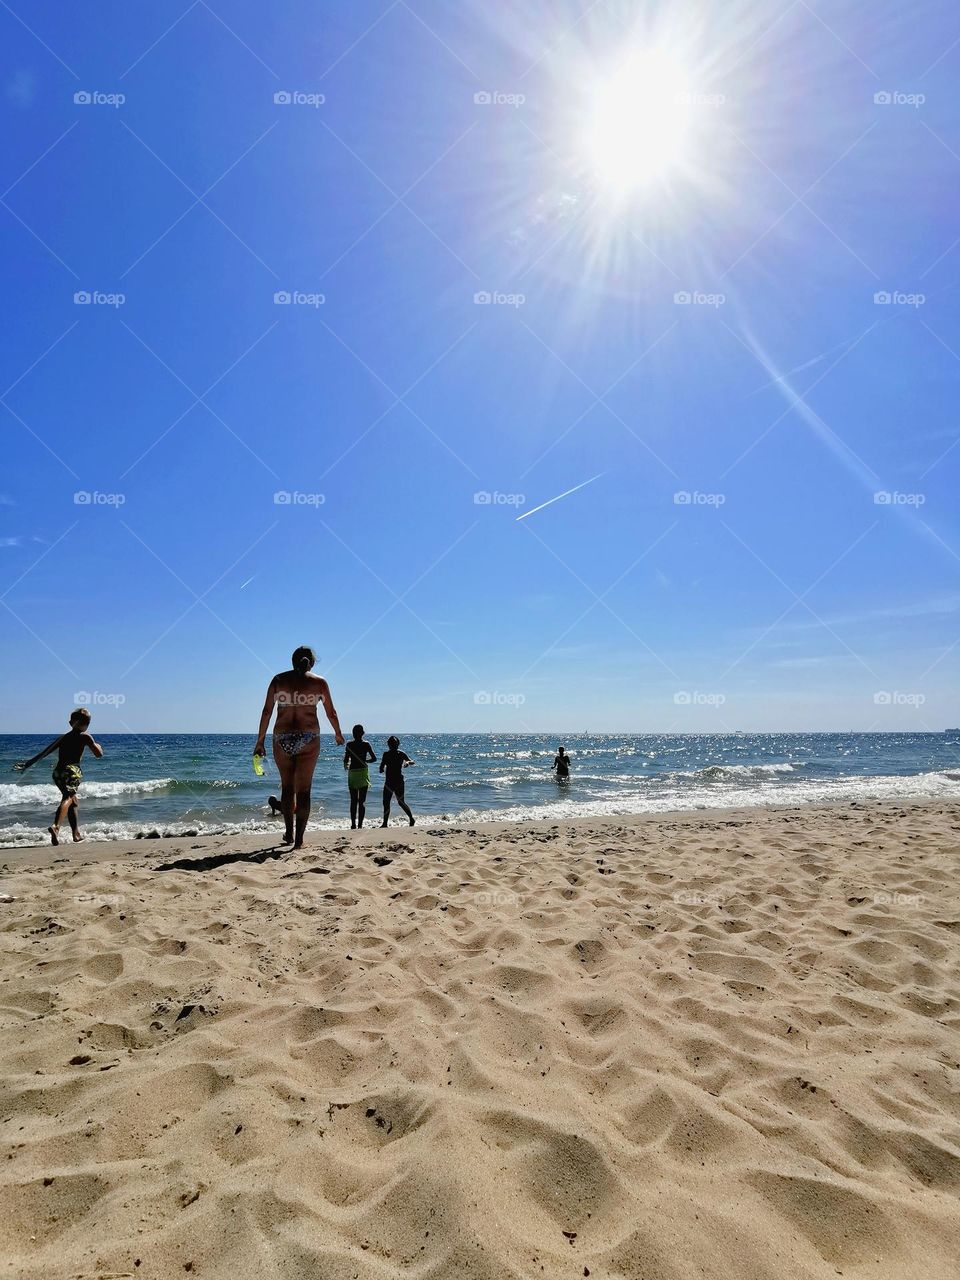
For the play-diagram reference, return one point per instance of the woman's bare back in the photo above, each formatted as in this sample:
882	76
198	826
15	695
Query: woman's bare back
296	698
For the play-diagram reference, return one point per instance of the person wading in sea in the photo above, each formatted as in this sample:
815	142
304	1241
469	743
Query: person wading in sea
358	755
392	765
296	736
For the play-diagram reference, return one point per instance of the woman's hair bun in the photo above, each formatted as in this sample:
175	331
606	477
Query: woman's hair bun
303	659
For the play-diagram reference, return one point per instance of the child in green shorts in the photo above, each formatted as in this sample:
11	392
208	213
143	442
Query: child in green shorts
66	772
356	757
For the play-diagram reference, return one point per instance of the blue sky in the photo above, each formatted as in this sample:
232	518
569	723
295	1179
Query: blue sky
446	160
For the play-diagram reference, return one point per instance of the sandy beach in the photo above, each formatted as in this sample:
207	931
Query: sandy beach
719	1044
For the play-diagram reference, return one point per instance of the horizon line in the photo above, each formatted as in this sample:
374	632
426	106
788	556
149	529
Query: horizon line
507	733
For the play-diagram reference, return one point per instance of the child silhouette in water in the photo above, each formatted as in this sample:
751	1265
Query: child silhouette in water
392	764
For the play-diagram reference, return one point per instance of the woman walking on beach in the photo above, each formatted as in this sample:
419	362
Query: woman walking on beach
296	736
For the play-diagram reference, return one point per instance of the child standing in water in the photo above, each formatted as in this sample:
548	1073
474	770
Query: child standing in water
356	757
393	763
66	772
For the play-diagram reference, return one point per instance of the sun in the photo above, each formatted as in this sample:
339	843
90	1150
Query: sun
637	127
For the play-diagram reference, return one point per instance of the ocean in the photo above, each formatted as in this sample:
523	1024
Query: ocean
204	783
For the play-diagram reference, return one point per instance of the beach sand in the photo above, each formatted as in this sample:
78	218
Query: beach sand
719	1044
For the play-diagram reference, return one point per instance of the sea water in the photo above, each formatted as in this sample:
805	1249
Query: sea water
204	783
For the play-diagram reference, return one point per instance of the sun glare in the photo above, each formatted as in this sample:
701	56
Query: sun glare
638	123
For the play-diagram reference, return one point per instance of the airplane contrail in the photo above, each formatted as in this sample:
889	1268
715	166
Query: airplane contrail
248	581
533	511
853	463
808	364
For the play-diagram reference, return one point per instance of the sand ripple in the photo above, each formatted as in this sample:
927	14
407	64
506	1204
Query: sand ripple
704	1046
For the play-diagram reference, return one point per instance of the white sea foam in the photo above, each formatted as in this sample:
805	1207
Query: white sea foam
652	799
18	795
19	834
737	771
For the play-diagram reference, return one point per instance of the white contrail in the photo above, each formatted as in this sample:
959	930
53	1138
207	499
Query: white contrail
248	581
854	464
808	364
550	501
838	447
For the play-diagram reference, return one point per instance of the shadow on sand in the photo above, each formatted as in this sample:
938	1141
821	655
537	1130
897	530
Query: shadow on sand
213	861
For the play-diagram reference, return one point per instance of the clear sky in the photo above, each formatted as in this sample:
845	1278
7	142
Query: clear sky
585	166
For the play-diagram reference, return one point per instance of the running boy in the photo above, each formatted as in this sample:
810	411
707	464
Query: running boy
66	772
356	757
393	763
